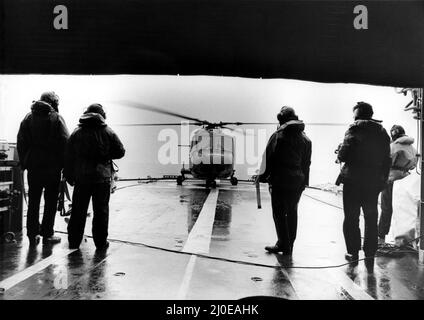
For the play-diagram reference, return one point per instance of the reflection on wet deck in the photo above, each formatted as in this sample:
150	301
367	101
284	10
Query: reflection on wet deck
163	215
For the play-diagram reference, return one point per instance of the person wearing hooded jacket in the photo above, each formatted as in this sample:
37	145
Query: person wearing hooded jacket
404	158
41	144
88	166
285	166
365	152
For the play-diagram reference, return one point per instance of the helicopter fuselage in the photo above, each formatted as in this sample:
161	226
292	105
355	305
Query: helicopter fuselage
212	154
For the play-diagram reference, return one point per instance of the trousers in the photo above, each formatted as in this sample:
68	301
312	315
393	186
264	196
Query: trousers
284	211
99	193
37	182
356	197
386	211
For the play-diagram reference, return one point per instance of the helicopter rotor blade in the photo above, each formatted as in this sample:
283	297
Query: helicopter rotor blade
157	124
228	128
274	123
336	124
245	123
238	131
146	107
196	121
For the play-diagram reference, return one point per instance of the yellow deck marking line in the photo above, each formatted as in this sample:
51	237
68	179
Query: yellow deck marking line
199	239
8	283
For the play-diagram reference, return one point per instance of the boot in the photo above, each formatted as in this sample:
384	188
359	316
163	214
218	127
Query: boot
103	247
73	246
34	241
381	241
277	249
51	240
352	257
273	249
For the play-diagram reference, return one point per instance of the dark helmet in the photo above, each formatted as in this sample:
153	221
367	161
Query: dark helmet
286	114
396	132
363	111
51	98
96	108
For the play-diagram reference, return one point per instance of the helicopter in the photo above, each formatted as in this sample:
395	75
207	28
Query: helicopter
212	151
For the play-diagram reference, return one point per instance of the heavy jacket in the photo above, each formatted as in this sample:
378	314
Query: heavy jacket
90	151
42	139
287	157
404	157
365	152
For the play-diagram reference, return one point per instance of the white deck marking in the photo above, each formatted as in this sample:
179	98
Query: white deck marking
182	292
342	281
30	271
199	239
295	292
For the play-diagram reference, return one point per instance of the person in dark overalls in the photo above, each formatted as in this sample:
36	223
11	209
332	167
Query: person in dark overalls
89	168
285	167
365	152
41	145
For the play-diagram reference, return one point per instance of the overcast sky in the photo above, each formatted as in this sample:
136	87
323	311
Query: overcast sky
212	98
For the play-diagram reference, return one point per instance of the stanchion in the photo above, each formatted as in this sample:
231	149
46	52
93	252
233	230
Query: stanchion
421	249
258	195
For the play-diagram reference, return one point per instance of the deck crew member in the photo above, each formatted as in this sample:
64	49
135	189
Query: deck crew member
285	166
88	166
365	152
404	158
41	144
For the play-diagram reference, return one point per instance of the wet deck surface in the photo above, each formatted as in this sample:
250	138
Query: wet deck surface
224	224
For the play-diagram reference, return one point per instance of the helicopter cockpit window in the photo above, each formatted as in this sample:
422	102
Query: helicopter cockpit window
196	140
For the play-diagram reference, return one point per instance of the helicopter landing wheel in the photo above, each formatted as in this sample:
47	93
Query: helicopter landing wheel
211	184
234	181
180	180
